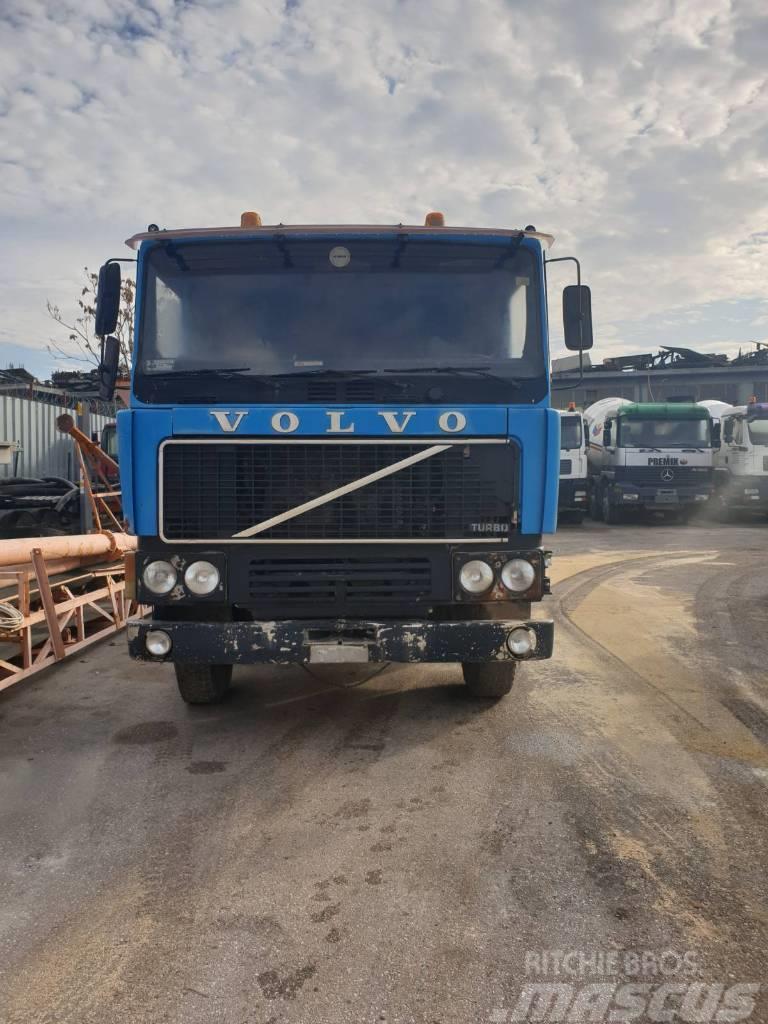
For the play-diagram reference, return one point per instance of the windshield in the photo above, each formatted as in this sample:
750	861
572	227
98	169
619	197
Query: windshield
276	307
758	431
570	432
638	433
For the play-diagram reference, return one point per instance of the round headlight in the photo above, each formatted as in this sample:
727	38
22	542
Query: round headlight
158	642
201	577
476	577
518	575
521	641
159	577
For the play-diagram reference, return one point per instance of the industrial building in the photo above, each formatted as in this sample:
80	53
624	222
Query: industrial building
671	374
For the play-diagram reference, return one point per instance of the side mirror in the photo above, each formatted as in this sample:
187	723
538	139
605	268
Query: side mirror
607	435
716	435
728	432
107	299
577	317
110	363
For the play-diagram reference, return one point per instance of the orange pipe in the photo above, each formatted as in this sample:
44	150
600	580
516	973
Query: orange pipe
110	545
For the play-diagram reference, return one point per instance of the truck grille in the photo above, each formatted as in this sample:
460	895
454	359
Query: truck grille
284	581
212	491
682	476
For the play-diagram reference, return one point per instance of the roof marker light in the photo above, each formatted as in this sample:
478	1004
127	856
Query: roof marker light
434	219
250	219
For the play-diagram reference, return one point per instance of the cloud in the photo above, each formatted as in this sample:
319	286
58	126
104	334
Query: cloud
636	132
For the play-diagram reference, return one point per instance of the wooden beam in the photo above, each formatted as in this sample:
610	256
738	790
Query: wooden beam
46	597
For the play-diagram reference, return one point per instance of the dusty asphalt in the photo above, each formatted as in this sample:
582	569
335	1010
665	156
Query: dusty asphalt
309	853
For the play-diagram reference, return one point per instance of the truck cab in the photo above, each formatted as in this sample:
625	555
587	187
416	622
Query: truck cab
572	502
340	446
741	461
650	456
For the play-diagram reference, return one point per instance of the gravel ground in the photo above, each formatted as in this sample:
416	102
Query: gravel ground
329	847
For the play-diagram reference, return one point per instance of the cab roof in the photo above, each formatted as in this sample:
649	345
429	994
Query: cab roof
345	230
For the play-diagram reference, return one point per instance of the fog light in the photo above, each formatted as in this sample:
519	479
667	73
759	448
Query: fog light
159	577
752	490
201	577
629	497
521	641
476	577
518	575
157	642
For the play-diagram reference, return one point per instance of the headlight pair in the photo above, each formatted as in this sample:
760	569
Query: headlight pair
200	578
477	576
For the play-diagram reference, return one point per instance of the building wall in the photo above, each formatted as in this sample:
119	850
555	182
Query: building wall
733	385
45	451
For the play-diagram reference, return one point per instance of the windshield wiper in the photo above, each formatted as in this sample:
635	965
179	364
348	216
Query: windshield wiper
457	371
199	372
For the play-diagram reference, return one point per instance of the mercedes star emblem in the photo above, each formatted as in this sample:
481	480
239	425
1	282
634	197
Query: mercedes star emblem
667	475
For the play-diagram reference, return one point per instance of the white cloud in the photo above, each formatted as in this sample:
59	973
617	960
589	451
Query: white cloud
636	132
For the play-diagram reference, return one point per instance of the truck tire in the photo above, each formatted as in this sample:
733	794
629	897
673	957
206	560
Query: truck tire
202	684
595	506
490	680
611	514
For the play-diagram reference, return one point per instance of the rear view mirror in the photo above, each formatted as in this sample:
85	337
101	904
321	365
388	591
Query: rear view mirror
108	368
728	432
577	317
107	299
715	435
607	436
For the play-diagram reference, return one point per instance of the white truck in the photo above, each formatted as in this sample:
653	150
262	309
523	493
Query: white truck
654	456
572	494
741	460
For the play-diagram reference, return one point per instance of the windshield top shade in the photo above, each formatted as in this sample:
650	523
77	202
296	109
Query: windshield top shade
281	306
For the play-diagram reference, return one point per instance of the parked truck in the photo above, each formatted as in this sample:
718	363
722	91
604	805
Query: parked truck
339	446
651	456
572	500
741	457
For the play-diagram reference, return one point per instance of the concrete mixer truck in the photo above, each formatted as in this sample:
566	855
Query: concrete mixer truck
652	456
572	493
741	460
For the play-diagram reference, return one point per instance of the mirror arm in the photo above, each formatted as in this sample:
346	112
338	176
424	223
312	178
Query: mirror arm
571	259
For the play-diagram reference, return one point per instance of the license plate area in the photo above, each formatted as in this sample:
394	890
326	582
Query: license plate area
335	653
666	497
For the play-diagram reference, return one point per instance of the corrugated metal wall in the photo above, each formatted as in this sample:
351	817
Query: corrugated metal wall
44	450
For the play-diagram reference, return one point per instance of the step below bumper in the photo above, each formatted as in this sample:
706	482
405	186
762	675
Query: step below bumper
232	643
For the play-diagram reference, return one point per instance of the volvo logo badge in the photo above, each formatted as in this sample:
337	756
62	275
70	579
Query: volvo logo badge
667	475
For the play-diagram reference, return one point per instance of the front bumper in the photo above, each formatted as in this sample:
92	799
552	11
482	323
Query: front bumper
341	640
745	492
661	497
572	495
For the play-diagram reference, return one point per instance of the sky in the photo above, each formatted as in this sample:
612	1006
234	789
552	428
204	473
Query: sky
636	132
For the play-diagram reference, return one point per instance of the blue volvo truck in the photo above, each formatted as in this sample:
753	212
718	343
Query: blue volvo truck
339	446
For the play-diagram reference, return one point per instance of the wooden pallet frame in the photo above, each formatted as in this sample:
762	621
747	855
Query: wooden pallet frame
57	621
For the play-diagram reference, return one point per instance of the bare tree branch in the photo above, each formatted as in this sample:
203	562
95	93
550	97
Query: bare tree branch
80	337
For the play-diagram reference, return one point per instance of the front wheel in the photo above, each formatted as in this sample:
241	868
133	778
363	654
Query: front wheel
203	684
490	680
611	513
595	507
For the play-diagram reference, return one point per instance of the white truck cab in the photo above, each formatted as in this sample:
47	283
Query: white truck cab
655	456
572	501
741	461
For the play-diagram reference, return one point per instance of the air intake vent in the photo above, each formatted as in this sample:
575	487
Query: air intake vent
338	580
